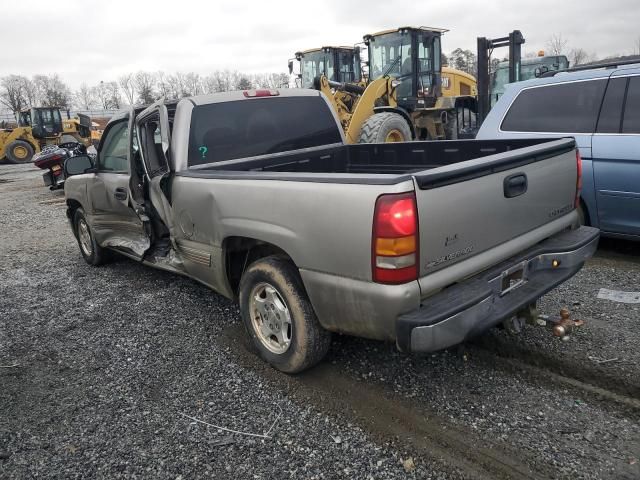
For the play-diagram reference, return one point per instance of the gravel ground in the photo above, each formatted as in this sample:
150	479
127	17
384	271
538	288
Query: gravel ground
110	359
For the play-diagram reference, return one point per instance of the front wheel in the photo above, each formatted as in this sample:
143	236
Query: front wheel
279	318
92	253
19	151
385	127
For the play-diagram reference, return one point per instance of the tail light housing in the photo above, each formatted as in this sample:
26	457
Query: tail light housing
576	202
395	245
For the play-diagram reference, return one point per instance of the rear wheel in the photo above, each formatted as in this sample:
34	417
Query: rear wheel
385	127
279	318
19	151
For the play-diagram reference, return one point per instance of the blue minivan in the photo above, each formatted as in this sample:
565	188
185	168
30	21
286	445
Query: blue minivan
600	108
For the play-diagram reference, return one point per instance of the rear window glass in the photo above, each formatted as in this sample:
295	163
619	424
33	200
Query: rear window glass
559	108
259	126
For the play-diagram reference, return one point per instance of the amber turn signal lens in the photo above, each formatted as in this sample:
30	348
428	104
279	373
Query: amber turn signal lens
390	247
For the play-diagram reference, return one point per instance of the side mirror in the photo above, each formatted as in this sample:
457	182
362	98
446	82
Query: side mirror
290	67
79	165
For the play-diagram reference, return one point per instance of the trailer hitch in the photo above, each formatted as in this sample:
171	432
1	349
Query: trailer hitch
561	325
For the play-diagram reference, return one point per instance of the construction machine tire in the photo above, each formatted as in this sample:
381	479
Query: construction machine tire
385	127
19	151
452	128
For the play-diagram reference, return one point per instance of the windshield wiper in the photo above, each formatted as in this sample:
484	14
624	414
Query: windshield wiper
393	64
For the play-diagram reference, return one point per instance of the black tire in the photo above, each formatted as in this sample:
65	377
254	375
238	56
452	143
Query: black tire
19	151
308	341
466	119
92	253
379	126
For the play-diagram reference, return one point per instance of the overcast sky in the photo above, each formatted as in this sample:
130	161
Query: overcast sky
87	41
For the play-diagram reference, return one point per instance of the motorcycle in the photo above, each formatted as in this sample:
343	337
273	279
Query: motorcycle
52	158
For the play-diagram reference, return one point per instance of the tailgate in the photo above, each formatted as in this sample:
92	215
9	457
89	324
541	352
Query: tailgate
472	206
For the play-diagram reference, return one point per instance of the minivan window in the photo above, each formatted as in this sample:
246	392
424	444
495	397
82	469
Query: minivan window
558	108
259	126
611	112
631	121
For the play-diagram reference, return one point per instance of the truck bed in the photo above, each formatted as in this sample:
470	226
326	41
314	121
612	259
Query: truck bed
388	163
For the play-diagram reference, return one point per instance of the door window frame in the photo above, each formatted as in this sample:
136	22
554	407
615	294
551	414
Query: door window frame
623	109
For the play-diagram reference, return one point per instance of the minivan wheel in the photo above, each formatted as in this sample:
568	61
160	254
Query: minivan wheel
92	253
279	318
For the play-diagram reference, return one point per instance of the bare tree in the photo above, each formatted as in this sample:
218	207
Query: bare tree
12	94
163	85
578	56
128	87
176	85
270	80
85	97
30	89
145	83
244	83
48	91
193	84
636	47
102	95
113	93
557	44
209	84
40	83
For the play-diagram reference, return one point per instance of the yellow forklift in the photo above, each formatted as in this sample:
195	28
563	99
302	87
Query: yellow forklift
408	95
38	127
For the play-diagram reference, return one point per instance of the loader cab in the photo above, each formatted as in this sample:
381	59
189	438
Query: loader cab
338	64
412	57
530	68
45	122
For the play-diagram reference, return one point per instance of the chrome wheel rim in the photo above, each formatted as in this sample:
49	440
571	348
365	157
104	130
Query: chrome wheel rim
85	237
270	318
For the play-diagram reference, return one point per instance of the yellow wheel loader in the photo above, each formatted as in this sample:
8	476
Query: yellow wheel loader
409	94
38	127
338	64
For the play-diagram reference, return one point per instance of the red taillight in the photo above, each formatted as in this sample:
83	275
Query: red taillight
576	202
395	239
261	93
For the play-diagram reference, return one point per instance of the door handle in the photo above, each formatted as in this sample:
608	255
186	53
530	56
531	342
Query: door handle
515	185
120	193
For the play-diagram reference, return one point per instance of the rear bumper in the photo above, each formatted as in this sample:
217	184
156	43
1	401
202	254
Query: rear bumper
482	301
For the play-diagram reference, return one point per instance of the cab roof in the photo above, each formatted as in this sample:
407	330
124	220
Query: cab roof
399	29
319	49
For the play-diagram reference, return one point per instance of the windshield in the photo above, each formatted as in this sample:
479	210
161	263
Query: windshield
348	66
25	119
391	54
315	64
527	71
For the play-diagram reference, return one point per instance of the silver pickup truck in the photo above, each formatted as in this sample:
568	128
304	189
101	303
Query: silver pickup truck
256	195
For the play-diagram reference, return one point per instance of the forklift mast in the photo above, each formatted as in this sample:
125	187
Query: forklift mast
485	47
